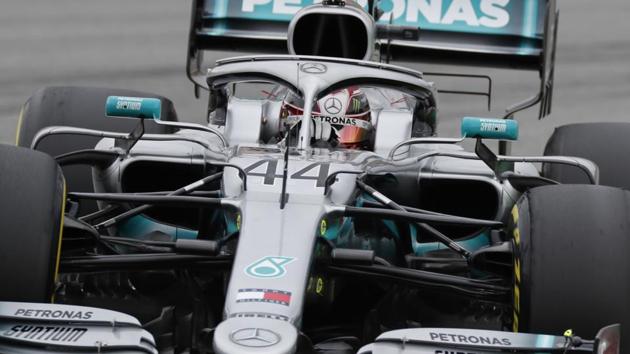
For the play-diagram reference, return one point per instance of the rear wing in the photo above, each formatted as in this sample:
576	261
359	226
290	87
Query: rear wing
518	34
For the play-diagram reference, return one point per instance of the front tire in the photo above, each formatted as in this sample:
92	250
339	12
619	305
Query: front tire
31	221
572	269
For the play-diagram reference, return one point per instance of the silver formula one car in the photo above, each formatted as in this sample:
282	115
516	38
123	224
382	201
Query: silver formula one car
317	211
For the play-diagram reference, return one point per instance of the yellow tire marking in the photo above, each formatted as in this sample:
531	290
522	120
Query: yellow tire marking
323	227
19	126
517	271
319	288
63	213
515	214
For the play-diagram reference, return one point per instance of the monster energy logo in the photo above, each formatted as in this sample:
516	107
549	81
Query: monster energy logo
356	104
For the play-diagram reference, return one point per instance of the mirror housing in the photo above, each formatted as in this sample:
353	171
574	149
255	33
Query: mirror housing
608	340
487	128
133	107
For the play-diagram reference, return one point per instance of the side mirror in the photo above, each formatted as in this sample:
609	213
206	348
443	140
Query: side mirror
608	340
133	107
487	128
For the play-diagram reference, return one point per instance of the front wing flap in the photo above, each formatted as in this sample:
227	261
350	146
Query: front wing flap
46	328
449	340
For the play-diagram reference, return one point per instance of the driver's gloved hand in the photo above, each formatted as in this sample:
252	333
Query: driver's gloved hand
320	130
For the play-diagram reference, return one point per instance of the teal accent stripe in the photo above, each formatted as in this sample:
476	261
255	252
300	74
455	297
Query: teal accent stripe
230	222
391	226
332	231
530	21
529	26
471	244
140	225
345	228
220	10
545	341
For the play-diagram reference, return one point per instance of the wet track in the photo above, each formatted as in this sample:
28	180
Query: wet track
141	45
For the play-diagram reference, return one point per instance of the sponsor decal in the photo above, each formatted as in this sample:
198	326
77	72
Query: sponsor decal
46	333
132	103
473	13
271	296
469	339
346	121
54	314
451	352
271	316
269	267
489	125
333	105
478	16
313	68
355	103
255	337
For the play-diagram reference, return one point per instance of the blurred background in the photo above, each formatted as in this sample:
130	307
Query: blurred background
141	45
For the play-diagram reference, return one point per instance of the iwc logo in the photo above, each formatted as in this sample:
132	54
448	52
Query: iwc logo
313	68
254	337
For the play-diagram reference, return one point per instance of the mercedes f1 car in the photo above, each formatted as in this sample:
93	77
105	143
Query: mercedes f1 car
317	211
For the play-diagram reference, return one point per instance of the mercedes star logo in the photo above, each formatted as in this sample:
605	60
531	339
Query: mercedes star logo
255	337
313	68
333	105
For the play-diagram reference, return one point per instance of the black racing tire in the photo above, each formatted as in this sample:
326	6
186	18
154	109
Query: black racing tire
571	264
31	220
82	107
601	143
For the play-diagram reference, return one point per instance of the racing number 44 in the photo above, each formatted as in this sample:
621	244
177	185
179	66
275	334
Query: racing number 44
317	171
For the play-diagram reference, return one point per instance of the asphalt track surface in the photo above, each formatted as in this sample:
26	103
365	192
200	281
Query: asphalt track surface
141	44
